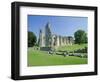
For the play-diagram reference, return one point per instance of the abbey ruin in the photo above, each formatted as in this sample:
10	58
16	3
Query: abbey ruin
49	39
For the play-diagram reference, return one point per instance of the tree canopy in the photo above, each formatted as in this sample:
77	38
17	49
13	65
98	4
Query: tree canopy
80	37
31	39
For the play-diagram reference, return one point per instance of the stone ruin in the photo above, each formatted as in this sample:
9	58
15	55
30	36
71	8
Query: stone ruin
48	40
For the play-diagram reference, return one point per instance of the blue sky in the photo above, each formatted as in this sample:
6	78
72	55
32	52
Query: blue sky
60	25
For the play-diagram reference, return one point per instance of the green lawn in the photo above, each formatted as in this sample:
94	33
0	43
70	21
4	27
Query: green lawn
72	47
42	58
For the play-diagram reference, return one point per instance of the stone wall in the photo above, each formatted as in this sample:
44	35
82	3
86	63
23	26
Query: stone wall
47	39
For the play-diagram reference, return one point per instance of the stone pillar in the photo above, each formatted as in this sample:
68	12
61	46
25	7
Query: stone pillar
61	41
64	41
41	39
58	41
48	36
53	39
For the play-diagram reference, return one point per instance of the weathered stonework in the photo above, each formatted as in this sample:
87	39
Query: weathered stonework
47	39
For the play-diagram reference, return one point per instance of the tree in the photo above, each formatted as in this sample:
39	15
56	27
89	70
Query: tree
80	37
31	39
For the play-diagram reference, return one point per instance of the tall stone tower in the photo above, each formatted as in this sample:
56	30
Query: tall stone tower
41	38
48	35
48	40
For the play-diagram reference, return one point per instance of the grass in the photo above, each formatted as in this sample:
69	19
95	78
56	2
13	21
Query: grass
72	47
42	58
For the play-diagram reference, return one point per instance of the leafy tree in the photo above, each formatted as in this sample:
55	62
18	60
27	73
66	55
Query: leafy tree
31	39
80	37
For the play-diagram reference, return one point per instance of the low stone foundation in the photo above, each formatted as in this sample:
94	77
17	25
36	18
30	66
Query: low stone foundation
45	48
